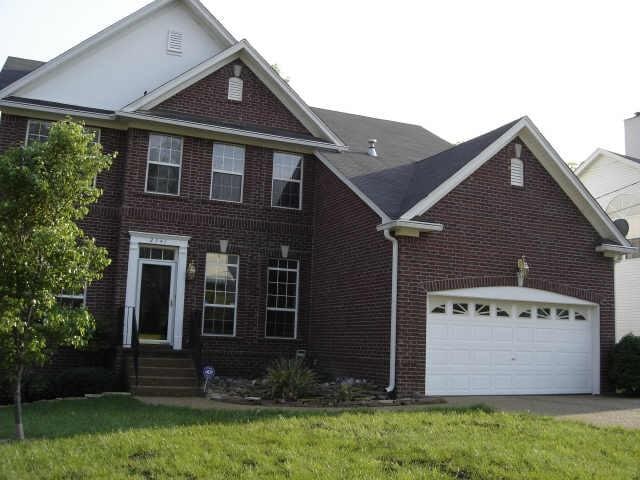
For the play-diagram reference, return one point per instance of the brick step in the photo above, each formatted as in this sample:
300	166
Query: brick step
155	391
164	381
164	362
153	371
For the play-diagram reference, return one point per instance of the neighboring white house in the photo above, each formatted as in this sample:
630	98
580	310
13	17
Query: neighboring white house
614	180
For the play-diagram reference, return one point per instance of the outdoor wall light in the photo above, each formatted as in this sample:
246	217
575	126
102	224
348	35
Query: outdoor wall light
191	271
523	270
224	244
284	250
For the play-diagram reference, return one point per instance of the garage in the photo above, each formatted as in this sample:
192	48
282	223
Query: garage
511	341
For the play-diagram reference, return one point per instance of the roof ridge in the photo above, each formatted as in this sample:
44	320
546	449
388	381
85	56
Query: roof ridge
369	117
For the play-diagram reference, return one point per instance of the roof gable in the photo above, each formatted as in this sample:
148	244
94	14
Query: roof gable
601	153
105	71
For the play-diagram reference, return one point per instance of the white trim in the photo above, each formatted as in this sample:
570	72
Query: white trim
412	225
383	216
227	172
62	111
273	178
605	153
29	122
610	250
259	66
512	294
171	264
229	131
267	308
204	16
235	304
182	244
179	167
552	162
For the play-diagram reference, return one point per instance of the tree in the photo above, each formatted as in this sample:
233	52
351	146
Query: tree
45	189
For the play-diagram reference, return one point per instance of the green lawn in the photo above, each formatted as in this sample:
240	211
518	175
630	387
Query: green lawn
122	438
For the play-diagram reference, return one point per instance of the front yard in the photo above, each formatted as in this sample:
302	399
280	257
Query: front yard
123	438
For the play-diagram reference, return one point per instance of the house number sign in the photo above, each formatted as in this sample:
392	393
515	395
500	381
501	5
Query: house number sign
208	373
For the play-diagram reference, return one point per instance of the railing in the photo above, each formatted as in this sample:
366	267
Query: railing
130	335
195	343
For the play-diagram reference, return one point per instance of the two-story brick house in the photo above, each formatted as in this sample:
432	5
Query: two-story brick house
241	220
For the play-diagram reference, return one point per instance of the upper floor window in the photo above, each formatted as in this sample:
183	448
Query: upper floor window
164	163
71	299
282	298
220	294
228	172
37	131
286	186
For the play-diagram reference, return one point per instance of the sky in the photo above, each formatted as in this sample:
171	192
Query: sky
458	68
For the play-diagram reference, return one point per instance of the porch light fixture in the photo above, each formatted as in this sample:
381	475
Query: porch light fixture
191	271
224	244
523	270
284	250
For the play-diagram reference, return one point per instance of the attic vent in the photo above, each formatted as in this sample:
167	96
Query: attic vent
174	43
235	85
371	151
517	172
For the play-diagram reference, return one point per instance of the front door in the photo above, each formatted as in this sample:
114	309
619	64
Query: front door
155	301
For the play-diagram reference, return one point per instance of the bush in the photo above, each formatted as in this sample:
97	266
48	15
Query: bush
624	368
76	382
290	379
39	386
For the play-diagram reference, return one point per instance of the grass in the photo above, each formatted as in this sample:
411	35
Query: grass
123	438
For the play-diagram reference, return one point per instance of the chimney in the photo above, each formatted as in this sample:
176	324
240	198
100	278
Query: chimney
372	148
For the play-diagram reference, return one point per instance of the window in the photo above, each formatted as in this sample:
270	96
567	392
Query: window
502	311
228	172
163	166
544	313
37	131
282	298
562	314
70	299
460	308
483	310
579	316
157	253
517	172
286	186
440	308
526	313
220	294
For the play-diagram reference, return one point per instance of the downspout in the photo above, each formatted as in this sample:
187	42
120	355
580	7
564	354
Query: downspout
394	304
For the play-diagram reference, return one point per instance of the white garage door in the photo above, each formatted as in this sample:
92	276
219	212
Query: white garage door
502	347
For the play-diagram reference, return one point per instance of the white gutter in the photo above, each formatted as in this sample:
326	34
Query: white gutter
411	224
56	110
394	307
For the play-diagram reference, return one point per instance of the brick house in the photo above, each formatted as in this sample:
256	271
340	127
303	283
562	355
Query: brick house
247	225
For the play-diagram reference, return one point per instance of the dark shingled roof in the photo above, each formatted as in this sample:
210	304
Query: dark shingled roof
411	161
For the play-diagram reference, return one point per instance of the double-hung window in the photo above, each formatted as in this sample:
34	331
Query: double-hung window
37	131
286	183
220	294
164	163
227	172
72	299
282	298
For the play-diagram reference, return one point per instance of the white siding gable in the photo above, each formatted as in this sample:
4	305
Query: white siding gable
627	279
121	68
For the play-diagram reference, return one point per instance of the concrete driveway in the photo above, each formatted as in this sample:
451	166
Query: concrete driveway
596	410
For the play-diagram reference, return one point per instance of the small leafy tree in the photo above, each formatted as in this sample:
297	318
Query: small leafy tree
45	189
624	369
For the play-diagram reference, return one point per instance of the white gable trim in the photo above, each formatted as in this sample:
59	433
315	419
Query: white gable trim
260	67
601	152
552	162
202	14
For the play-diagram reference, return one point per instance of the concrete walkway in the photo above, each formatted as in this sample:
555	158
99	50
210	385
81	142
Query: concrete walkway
595	410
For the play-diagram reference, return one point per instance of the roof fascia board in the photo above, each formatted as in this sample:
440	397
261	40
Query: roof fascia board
228	131
90	42
412	225
56	110
445	187
526	129
610	250
383	216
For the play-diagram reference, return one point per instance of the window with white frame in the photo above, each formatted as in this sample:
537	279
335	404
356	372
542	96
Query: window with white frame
227	172
38	131
220	294
164	163
72	299
282	298
286	184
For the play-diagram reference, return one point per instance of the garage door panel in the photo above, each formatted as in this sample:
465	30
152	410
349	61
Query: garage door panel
474	354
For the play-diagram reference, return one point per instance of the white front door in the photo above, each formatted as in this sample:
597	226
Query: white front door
480	346
155	305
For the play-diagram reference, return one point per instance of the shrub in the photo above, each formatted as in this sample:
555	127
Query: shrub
624	368
76	382
345	392
290	379
40	386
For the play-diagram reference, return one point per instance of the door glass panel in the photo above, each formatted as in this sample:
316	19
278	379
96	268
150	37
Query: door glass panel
155	289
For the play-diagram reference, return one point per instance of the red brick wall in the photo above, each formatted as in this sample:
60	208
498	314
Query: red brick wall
207	98
488	225
351	286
